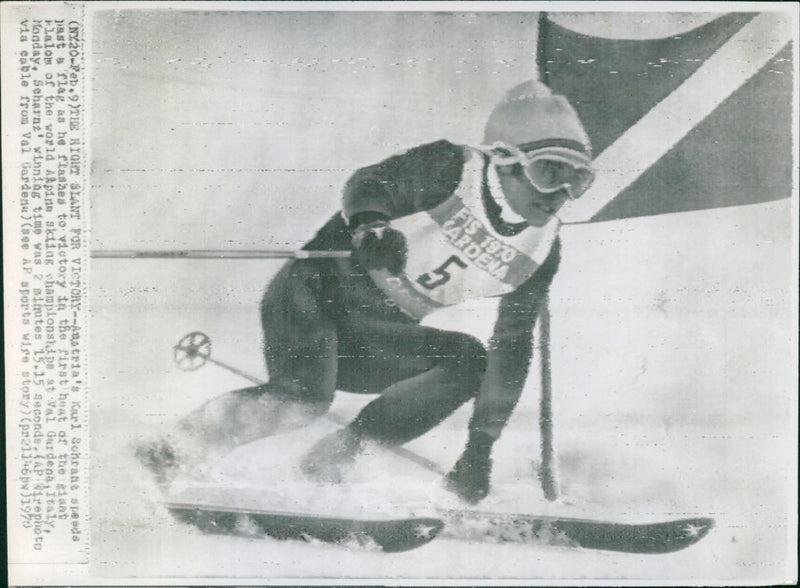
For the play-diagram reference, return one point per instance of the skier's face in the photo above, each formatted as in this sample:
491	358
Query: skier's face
536	207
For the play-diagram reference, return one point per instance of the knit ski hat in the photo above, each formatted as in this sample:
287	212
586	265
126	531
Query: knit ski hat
532	118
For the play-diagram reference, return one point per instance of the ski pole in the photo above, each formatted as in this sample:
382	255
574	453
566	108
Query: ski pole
216	254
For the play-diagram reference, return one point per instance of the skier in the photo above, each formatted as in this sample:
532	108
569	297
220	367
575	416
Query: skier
434	226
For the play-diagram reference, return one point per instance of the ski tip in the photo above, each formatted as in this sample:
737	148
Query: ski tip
698	528
676	535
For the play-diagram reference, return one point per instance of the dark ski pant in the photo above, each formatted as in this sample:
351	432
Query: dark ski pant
322	333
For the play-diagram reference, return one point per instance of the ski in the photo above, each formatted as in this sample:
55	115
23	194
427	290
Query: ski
390	535
652	538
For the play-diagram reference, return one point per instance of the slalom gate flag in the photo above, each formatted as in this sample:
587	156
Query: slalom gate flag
697	120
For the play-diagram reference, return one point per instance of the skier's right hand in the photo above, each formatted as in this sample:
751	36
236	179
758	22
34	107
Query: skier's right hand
377	246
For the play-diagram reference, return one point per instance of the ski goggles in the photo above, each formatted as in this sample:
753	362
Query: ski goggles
548	169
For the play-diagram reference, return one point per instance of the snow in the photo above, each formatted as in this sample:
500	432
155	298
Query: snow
668	404
673	338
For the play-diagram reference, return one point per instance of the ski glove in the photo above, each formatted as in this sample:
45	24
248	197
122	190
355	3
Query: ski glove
469	478
376	245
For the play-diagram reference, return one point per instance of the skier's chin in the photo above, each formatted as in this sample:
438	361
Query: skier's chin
540	214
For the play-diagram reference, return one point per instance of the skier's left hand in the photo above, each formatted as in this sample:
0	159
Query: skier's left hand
469	478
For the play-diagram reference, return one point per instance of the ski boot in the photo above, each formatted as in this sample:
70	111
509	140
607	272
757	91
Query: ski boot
168	458
327	458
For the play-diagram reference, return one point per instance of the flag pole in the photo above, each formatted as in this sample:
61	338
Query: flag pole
547	469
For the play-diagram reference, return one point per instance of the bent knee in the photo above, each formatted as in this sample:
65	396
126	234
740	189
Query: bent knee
474	353
464	353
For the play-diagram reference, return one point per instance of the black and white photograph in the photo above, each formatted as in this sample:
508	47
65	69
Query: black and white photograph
396	293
